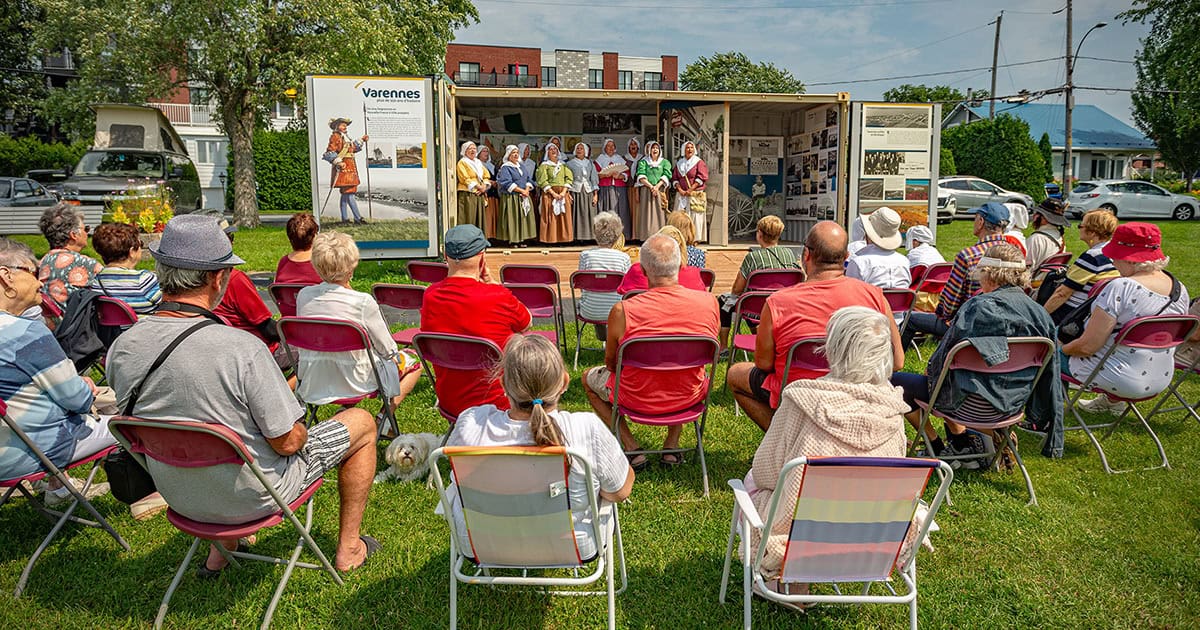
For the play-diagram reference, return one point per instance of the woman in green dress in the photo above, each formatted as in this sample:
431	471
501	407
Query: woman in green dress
554	180
653	180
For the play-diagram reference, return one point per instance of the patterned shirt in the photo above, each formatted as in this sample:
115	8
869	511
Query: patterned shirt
136	287
1091	267
960	287
777	257
696	256
62	271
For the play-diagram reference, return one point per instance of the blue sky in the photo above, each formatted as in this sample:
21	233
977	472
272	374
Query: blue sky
831	42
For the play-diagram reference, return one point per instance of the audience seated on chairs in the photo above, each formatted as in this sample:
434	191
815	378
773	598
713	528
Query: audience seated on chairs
469	302
121	249
879	263
1143	289
329	376
696	256
667	308
990	222
296	267
63	269
243	308
1018	220
1049	223
534	379
922	251
220	374
853	411
1000	311
1092	266
799	312
45	396
689	277
605	256
769	255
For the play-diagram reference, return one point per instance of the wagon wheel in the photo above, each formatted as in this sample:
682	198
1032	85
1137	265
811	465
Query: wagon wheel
743	216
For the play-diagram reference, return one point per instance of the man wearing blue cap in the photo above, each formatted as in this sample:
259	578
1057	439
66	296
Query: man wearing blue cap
990	221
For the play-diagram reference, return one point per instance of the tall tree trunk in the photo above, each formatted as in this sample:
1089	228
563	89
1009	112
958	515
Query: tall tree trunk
239	118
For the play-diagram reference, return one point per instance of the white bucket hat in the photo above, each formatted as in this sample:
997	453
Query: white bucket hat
883	228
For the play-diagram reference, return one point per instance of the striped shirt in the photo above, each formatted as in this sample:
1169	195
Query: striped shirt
1091	267
959	286
595	306
136	287
777	257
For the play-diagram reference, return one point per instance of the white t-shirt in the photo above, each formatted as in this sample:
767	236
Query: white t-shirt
488	426
883	268
1042	244
924	254
328	376
1131	372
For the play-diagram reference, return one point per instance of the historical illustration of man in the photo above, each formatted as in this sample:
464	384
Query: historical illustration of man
344	176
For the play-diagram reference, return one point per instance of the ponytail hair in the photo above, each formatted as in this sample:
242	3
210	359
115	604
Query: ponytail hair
532	376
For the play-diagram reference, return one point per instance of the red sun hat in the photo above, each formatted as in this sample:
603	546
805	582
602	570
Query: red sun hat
1135	242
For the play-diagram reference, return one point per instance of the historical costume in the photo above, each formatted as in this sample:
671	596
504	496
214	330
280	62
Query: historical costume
492	199
472	186
633	155
515	184
530	167
554	180
583	191
558	142
344	174
691	174
652	180
614	172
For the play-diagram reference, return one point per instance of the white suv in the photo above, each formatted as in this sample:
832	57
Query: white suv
1129	199
972	192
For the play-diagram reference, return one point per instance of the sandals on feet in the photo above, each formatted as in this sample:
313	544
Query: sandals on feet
638	462
675	460
372	546
206	573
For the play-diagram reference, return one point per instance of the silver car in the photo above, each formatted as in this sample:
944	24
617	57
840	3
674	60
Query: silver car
1130	199
972	192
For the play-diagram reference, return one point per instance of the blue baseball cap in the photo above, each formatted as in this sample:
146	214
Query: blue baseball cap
464	241
993	212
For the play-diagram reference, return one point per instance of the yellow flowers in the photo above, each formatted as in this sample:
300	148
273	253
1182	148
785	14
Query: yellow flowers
147	209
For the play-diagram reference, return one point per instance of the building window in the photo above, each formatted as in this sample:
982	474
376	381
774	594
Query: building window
624	80
652	80
521	69
200	96
596	79
468	72
285	109
549	76
212	152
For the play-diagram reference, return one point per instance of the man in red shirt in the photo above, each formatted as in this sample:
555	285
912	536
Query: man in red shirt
468	302
667	308
244	309
799	312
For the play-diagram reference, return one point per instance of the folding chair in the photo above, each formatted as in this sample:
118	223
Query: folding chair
632	293
402	297
805	354
1185	370
208	445
532	274
1061	259
592	282
1023	353
114	316
284	296
513	524
427	271
543	303
773	279
935	277
325	334
1157	332
901	302
852	515
748	309
667	353
50	309
709	277
18	484
917	273
454	352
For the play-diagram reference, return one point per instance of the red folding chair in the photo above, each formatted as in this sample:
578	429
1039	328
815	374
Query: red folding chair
747	309
50	309
325	334
114	316
198	447
773	279
284	296
667	353
402	297
709	277
1157	332
532	274
918	274
1185	370
19	484
592	282
447	351
935	277
901	302
1024	353
1061	259
805	354
542	302
427	271
632	293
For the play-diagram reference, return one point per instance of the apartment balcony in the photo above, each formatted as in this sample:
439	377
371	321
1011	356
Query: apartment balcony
496	79
187	115
659	85
60	63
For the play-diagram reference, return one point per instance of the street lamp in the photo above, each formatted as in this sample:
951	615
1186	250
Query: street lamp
1070	94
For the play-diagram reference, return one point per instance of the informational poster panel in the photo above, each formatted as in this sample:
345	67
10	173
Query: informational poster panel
755	182
812	166
897	148
371	153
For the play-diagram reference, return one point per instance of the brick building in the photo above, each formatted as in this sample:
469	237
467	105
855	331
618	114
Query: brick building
512	66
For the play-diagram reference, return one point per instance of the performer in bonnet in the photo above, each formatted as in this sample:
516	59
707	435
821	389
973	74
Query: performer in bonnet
583	191
691	174
614	173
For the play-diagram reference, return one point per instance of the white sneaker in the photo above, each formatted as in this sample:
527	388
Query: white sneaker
62	495
147	507
1101	405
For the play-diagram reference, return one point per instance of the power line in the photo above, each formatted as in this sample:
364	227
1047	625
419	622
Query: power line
1106	59
908	50
934	74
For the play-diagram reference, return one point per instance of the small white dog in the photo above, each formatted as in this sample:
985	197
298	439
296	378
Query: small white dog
408	457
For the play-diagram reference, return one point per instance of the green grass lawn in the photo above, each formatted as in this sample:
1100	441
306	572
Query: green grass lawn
1099	551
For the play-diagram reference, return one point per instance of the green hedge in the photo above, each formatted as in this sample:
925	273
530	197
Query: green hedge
946	167
999	151
280	169
19	155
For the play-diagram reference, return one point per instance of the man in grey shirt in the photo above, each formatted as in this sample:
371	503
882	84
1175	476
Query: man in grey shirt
225	375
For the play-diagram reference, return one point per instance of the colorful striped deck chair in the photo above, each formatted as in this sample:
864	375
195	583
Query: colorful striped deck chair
852	516
517	516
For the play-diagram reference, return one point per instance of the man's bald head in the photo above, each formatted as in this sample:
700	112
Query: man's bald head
826	245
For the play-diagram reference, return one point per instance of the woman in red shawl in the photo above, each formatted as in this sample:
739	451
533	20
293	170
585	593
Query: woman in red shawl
691	174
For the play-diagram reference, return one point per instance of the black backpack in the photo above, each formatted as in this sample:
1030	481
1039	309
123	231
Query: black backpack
1050	283
80	333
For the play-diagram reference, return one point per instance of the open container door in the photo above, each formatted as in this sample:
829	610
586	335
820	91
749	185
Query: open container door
446	152
896	150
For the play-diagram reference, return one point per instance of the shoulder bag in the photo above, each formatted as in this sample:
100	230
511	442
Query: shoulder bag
697	200
1072	324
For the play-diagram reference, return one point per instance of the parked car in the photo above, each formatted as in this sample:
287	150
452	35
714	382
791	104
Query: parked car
972	192
103	173
51	178
947	206
1130	199
22	192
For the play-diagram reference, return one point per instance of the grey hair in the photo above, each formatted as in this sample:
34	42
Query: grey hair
607	229
858	346
1151	266
660	257
995	228
58	222
176	281
15	252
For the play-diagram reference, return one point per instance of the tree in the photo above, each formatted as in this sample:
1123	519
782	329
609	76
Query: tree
946	166
1047	152
22	85
999	151
908	93
244	53
734	72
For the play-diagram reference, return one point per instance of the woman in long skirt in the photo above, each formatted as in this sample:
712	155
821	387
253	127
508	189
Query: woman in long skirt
491	213
517	221
691	174
633	155
554	180
472	186
613	197
653	180
583	191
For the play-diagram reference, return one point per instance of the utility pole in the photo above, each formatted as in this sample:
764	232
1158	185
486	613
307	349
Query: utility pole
995	56
1069	92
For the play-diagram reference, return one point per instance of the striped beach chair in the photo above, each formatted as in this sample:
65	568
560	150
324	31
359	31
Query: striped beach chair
517	516
852	515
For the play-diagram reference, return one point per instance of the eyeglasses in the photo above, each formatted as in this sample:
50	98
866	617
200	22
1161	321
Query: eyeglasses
29	270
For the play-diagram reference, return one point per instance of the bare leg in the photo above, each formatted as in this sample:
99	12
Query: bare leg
723	336
407	383
914	418
355	475
604	409
215	560
739	383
